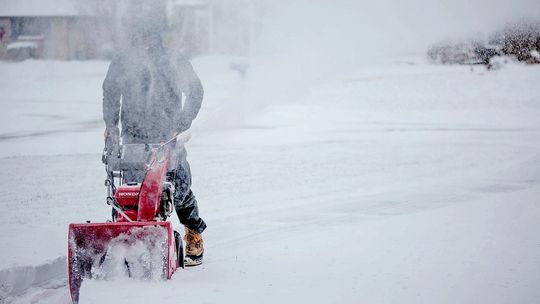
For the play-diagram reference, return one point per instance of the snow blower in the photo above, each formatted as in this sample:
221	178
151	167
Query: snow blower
138	241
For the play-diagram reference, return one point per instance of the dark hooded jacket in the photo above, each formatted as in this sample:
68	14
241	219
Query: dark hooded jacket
144	90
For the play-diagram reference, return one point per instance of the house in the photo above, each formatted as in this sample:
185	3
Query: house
88	29
46	29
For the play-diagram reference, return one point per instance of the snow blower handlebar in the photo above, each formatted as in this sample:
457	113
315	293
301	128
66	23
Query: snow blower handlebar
112	144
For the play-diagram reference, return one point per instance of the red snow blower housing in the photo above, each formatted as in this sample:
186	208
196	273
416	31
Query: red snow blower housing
138	241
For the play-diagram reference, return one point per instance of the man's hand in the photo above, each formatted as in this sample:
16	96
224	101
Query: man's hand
181	133
184	126
112	141
112	132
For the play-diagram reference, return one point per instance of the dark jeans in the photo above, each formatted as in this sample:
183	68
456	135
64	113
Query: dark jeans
184	199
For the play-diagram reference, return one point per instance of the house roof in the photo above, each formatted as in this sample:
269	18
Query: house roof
38	8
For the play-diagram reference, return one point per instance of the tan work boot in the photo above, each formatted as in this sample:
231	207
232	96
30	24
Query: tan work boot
194	248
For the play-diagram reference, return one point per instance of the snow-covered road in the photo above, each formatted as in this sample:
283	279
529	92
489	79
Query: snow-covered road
394	184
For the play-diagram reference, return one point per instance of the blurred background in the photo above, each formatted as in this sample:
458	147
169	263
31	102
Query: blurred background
346	31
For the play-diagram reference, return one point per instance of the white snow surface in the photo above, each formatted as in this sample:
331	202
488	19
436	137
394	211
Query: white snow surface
399	183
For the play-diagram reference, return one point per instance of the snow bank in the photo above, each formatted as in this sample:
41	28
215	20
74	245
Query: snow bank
17	280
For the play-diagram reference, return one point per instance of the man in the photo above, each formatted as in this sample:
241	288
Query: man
143	90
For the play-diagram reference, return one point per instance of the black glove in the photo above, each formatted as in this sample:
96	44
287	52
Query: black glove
184	126
112	142
112	136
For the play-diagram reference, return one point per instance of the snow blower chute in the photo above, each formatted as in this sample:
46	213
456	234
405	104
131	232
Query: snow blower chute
138	241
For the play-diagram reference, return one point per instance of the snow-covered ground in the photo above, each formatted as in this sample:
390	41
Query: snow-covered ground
399	183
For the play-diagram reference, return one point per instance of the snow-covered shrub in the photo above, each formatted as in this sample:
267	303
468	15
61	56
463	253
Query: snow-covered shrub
470	52
520	40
